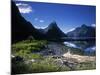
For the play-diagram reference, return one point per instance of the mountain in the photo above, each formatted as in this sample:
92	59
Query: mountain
21	29
83	31
53	32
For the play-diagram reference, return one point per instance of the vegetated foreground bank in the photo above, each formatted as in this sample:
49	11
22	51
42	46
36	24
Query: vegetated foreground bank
35	56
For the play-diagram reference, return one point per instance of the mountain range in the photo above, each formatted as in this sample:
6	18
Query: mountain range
84	31
21	29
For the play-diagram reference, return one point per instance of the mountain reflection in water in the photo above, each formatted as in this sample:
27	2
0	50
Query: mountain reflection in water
89	47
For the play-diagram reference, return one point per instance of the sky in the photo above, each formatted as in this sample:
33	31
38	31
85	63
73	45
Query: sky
67	16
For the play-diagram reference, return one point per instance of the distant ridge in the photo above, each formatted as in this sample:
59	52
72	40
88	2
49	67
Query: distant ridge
83	31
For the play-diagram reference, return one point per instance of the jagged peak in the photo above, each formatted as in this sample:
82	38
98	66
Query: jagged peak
53	22
53	25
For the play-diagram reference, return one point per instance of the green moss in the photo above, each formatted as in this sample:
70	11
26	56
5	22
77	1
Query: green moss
26	48
86	66
34	45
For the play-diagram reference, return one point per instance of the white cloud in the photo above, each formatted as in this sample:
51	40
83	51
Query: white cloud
41	21
93	25
24	8
21	4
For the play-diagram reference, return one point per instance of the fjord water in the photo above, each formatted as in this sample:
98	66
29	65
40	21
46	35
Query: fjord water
89	47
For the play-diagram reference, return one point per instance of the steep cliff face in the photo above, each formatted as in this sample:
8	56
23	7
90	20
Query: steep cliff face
20	28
